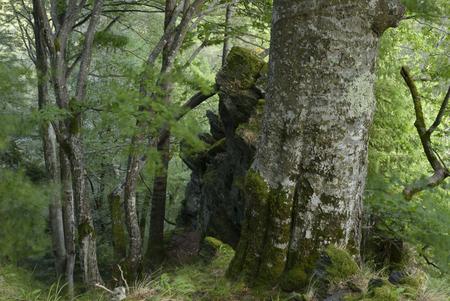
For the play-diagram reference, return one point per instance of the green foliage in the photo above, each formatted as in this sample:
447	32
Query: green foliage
23	211
386	292
396	158
429	9
109	39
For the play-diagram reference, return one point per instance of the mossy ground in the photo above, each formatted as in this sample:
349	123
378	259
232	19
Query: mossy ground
204	280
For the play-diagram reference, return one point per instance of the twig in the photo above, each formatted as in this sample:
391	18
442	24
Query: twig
105	288
429	262
123	278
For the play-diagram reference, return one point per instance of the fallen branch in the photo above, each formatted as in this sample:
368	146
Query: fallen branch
104	288
123	278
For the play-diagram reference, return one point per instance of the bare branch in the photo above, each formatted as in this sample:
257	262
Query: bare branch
441	113
440	171
188	106
86	56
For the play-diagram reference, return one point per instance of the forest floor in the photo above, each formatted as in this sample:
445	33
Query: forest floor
204	279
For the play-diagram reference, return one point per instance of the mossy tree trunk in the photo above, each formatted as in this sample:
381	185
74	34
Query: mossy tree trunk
304	189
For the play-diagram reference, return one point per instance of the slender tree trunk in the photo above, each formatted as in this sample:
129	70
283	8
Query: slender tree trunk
49	148
158	208
69	221
117	225
131	217
304	190
170	44
226	38
57	226
86	231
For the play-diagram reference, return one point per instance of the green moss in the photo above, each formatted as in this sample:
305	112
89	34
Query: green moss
295	279
117	227
85	229
384	293
277	237
261	252
241	69
249	131
342	264
352	297
411	281
214	242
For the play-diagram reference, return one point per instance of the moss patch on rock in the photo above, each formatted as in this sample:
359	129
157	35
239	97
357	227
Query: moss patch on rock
342	266
241	69
297	278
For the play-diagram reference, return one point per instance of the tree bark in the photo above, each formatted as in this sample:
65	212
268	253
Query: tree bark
68	132
158	210
49	149
441	172
304	190
226	39
117	225
131	217
69	221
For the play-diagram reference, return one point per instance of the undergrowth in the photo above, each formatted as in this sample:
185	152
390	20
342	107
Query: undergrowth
204	280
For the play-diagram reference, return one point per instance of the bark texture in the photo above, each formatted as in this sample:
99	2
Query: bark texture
49	149
226	39
69	221
304	190
131	217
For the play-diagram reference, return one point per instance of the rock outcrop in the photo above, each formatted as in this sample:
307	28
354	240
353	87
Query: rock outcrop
213	202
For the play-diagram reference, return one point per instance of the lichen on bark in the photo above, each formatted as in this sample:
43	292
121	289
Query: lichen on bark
304	191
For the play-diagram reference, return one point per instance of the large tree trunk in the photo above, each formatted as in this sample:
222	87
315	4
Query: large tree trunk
304	190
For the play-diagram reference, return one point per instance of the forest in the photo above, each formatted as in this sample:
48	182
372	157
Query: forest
224	150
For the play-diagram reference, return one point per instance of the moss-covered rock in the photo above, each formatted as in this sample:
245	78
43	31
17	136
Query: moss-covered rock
295	279
342	266
214	204
241	69
210	248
